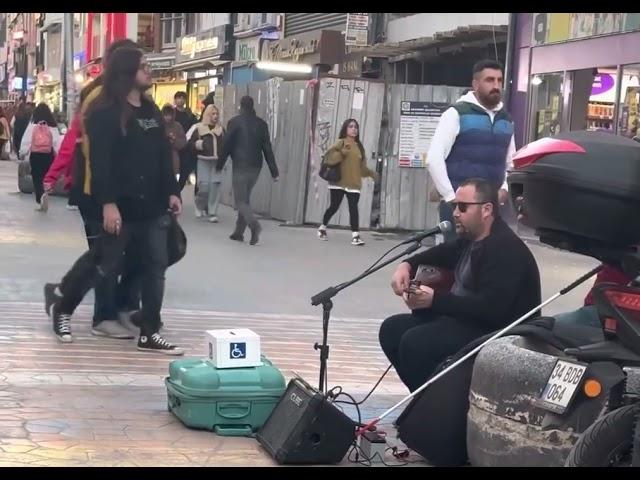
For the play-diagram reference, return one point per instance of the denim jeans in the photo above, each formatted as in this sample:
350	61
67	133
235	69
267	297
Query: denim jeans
105	306
209	187
149	238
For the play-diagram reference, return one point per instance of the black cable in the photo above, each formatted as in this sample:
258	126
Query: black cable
375	386
383	255
352	402
366	461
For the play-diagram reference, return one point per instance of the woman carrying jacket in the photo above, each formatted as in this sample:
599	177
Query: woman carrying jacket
207	136
349	154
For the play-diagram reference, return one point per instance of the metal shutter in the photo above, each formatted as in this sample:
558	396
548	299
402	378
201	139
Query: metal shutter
296	23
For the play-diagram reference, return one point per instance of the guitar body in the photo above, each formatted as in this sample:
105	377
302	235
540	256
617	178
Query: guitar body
439	279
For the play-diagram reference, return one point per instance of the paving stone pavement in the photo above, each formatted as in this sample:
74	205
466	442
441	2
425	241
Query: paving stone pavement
100	402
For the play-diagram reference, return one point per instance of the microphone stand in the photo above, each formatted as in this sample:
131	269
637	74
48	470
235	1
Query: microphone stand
325	297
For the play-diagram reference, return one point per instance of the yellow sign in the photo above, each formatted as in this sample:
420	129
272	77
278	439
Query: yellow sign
189	46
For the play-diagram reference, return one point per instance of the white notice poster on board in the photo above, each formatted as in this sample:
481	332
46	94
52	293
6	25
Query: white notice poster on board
418	122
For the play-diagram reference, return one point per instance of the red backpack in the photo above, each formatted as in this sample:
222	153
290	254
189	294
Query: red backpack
41	139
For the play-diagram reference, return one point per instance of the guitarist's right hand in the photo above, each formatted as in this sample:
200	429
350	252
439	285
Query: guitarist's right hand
401	279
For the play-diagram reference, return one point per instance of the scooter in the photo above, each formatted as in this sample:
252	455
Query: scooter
592	379
599	371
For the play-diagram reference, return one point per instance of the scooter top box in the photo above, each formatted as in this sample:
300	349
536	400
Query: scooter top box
585	184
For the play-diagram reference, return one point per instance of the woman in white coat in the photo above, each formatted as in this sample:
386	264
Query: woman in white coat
40	142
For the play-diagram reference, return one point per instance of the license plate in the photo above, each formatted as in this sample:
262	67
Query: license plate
561	386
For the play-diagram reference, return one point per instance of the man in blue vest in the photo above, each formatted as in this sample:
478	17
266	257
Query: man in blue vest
474	139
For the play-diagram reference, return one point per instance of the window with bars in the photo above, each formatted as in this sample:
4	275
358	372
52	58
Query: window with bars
171	26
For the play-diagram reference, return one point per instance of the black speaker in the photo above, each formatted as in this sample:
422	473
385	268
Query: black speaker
305	428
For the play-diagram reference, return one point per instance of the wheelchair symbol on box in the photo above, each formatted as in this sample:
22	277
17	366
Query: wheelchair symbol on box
238	350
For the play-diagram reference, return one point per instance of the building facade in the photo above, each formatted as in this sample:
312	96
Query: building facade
575	71
433	48
251	32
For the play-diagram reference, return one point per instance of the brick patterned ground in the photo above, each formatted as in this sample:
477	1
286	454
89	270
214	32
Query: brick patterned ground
100	402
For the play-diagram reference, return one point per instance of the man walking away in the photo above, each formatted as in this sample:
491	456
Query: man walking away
247	140
474	138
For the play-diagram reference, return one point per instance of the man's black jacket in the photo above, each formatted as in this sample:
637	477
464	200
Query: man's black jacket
246	140
505	278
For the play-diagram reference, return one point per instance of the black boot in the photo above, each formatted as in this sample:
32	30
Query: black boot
255	234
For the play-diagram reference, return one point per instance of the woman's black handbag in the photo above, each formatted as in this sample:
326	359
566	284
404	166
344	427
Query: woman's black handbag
330	173
176	241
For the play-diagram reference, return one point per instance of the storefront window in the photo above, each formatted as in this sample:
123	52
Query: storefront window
593	97
546	101
629	98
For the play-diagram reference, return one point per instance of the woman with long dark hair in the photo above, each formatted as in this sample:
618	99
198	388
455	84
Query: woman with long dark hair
41	142
349	154
71	162
130	176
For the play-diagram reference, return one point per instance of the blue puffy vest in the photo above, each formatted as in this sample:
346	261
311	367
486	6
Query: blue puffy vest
480	149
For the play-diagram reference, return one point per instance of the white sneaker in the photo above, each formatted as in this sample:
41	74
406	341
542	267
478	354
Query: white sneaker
44	202
213	219
72	207
199	213
111	329
125	321
357	241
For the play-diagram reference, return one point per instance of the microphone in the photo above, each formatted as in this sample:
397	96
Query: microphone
418	237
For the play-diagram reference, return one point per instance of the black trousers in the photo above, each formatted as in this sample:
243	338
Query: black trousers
336	196
40	163
416	343
104	259
188	162
243	182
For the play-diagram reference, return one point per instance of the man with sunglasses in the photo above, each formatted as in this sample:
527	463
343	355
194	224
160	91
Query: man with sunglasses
474	138
496	281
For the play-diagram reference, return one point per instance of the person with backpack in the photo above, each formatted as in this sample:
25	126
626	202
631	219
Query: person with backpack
347	156
41	141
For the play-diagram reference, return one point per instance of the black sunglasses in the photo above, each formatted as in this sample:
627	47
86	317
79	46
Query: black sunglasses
462	206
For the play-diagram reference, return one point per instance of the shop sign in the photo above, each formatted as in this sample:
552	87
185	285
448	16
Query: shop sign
562	27
352	65
292	49
189	46
160	63
247	49
327	45
209	43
